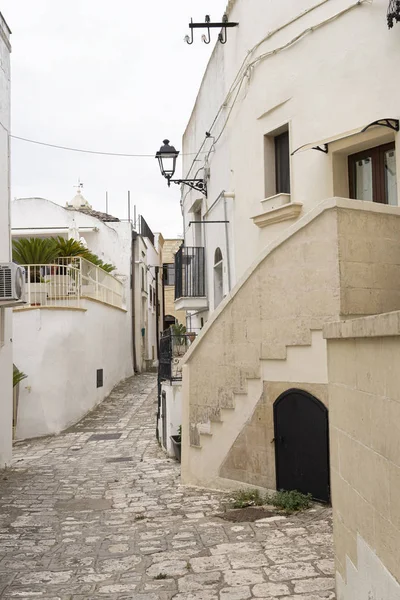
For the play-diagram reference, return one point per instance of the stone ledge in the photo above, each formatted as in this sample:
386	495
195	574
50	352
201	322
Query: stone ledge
383	325
277	215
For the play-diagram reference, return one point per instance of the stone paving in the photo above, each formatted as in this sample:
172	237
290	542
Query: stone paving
83	517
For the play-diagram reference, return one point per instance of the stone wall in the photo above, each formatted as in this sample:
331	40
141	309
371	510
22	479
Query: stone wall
293	290
369	261
364	387
252	457
325	267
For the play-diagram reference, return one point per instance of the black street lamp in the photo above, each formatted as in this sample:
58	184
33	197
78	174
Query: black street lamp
166	157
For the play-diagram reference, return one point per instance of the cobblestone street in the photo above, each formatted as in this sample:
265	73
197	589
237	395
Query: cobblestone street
83	517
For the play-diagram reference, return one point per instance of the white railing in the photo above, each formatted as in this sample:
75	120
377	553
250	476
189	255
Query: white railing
66	281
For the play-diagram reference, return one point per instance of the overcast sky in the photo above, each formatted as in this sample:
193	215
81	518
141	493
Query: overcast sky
106	76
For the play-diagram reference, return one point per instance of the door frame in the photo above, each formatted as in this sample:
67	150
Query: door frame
325	410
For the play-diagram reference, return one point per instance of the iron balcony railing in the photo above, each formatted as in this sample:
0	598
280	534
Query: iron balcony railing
190	273
172	348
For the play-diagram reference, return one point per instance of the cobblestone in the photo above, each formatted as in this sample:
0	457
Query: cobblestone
86	515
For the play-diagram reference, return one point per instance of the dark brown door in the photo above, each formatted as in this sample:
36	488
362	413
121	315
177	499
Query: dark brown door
302	444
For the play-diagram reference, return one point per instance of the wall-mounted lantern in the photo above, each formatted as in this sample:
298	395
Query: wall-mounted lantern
166	157
393	12
222	36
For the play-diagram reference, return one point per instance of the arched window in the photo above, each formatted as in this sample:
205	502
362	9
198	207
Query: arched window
218	277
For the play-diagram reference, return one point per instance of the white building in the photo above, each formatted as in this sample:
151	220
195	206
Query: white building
5	255
147	252
295	132
75	339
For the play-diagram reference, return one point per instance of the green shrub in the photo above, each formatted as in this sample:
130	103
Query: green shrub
245	498
290	502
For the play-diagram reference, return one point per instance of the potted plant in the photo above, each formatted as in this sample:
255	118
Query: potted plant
179	339
18	376
176	443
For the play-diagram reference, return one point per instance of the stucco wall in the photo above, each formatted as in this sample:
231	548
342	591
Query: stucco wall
364	384
5	314
173	417
60	352
320	87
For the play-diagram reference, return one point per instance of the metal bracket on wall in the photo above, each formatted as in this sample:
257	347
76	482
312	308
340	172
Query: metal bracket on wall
323	148
196	184
222	36
389	123
207	222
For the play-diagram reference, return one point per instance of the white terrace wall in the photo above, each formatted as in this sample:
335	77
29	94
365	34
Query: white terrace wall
5	314
364	399
60	351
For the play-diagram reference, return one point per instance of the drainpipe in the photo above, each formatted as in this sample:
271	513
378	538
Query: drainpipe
133	291
228	260
157	315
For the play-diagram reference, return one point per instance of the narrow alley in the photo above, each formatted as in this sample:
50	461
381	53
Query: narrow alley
98	512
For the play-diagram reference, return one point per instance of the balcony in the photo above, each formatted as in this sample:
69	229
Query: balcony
67	282
190	284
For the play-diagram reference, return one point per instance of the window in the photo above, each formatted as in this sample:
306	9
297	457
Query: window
197	235
277	162
169	274
282	163
372	175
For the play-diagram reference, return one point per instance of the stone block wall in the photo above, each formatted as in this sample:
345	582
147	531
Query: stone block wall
364	390
369	261
293	290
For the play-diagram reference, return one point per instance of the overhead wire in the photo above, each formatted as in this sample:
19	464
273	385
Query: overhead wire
71	149
247	66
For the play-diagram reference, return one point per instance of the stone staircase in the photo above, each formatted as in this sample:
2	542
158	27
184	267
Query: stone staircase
297	363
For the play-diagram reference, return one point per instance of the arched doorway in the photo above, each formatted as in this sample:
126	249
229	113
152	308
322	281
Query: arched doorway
218	277
168	321
302	444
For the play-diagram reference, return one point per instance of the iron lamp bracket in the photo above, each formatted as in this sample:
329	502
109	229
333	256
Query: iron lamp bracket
196	184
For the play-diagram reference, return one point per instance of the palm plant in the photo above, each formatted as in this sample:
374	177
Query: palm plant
43	251
107	267
34	251
70	248
18	376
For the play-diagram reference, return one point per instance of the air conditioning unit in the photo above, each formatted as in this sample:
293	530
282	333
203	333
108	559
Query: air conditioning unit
12	283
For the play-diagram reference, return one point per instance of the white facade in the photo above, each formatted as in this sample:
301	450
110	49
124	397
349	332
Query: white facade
148	290
311	76
170	414
60	349
322	74
5	313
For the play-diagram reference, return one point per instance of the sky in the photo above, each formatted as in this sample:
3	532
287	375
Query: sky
110	77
